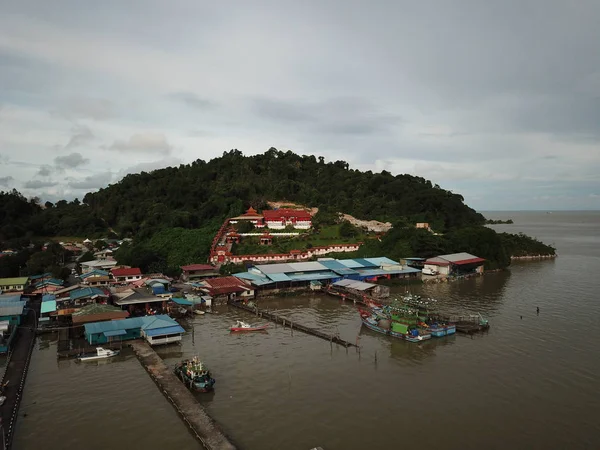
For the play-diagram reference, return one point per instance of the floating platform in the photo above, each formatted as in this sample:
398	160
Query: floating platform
202	426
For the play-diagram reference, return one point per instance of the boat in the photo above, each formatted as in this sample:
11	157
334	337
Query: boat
243	326
101	353
396	329
195	375
199	312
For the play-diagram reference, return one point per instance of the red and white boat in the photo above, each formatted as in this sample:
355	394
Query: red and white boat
243	326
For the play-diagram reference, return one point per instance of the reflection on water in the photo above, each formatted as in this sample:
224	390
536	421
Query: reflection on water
530	382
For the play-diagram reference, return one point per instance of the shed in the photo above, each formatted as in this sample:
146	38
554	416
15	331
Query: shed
12	311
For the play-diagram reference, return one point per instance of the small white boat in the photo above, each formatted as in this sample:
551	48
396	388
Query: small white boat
243	326
197	311
101	353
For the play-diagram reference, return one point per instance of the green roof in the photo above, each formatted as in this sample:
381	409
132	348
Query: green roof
13	281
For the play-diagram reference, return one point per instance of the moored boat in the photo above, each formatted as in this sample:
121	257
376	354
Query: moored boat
199	312
195	375
395	329
243	326
101	353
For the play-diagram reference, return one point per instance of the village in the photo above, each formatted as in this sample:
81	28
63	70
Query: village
104	305
108	302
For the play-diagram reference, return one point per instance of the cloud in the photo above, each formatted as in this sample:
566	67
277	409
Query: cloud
150	166
45	171
194	101
148	142
6	181
92	182
71	161
81	136
39	184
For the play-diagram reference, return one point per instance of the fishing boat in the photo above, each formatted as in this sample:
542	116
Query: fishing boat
395	329
101	353
195	375
243	326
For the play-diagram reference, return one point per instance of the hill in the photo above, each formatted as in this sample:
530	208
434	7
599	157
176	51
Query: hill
173	212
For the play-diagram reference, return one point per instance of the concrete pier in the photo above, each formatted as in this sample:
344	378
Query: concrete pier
193	414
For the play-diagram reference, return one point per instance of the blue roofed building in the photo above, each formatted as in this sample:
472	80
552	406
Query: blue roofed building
325	271
12	311
160	329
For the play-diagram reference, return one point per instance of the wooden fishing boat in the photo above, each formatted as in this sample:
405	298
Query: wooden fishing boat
396	330
101	353
243	326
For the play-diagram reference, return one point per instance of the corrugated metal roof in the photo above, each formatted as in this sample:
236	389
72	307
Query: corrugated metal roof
354	284
351	263
455	257
365	263
10	298
346	271
333	264
12	309
278	277
86	292
48	297
313	276
274	268
255	279
13	281
165	330
114	333
382	261
48	306
307	266
182	301
377	272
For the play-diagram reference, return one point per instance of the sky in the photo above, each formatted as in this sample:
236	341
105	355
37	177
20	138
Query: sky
497	101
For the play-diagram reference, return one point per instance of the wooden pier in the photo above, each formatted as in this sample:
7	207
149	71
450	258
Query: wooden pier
202	426
293	325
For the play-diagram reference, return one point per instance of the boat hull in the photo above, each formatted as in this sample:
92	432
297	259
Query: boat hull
404	337
206	385
261	328
441	331
96	357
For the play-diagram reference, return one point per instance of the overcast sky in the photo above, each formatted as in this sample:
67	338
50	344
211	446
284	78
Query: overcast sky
496	100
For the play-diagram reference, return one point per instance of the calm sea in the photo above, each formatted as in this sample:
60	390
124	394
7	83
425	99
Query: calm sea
530	382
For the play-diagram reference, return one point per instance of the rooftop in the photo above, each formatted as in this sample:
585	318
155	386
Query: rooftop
12	308
48	306
87	292
277	214
126	272
13	281
197	267
145	323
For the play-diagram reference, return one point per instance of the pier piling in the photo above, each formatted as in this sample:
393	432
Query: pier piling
294	326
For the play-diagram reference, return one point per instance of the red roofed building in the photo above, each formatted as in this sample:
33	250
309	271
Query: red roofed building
252	216
278	219
230	287
126	275
454	264
198	271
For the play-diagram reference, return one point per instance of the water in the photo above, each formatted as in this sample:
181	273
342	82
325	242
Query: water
530	382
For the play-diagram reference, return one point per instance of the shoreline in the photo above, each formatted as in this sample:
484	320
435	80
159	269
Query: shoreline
532	257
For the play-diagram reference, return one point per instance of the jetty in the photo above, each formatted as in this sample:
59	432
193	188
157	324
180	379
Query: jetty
293	325
201	425
15	373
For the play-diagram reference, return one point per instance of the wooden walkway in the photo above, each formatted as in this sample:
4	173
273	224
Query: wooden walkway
15	373
202	426
293	325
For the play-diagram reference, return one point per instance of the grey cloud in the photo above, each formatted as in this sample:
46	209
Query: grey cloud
70	161
81	136
6	181
192	100
39	184
147	142
45	171
95	181
343	115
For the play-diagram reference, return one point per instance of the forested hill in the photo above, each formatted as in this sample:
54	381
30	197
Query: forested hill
189	195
